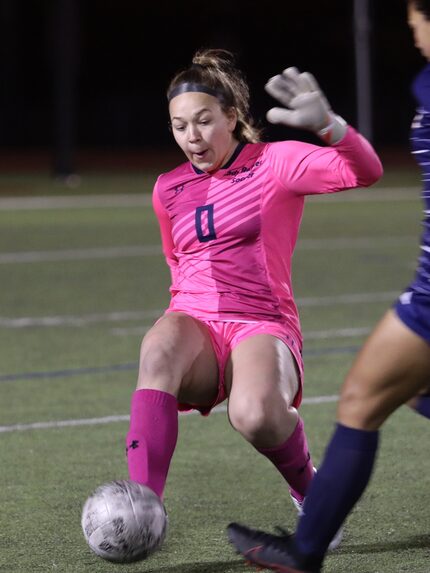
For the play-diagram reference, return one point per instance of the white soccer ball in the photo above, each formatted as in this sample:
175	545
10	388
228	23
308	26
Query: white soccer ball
124	521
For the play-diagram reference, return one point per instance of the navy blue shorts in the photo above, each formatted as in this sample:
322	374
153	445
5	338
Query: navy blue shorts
413	309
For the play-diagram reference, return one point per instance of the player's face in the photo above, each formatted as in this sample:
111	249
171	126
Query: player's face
202	130
421	30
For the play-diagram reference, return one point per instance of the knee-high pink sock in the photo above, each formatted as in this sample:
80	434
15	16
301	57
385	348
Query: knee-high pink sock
293	461
152	436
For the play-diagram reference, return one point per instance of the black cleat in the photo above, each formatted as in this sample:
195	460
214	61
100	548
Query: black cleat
275	552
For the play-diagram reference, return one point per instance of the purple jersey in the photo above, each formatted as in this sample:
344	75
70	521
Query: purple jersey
229	236
420	142
413	305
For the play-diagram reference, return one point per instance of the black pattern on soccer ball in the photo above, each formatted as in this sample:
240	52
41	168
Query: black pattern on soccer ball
124	521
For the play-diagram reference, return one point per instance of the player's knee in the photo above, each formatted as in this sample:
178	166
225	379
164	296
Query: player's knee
358	406
156	361
352	395
252	417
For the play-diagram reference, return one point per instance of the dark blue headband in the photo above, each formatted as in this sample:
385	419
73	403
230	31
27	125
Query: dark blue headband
194	87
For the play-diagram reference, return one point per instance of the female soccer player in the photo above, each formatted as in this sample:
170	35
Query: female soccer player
229	219
393	368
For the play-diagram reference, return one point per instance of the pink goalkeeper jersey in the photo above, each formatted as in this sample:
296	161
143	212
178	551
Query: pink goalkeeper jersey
229	236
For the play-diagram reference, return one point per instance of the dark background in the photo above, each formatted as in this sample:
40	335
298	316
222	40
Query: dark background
116	59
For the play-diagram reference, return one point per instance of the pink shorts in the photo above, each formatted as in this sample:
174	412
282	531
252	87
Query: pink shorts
226	336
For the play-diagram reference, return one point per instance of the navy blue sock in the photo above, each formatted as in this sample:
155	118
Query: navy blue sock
423	405
335	489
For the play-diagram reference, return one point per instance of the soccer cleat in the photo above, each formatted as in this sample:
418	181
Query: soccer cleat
297	504
275	552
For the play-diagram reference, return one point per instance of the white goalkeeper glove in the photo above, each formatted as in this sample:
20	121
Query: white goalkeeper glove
305	105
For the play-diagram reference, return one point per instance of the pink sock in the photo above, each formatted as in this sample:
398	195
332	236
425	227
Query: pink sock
152	437
293	461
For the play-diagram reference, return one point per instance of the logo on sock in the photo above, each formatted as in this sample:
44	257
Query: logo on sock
134	445
302	469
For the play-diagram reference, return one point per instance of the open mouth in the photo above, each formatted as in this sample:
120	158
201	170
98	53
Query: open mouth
200	154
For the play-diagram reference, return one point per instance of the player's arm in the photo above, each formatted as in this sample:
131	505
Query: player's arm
350	162
165	232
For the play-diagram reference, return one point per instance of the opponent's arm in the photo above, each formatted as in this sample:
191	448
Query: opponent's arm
305	104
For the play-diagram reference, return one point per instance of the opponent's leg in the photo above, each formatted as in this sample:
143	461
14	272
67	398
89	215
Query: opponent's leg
176	361
393	365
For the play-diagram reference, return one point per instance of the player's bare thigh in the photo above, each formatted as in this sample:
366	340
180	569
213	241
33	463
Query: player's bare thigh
392	367
177	356
261	382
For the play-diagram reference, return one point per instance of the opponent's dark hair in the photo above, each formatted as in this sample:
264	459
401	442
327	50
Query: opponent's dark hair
216	72
422	6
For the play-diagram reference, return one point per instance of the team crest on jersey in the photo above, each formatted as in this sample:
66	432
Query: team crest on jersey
417	121
242	173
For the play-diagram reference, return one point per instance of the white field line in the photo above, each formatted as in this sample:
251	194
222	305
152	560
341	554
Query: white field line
336	333
310	335
356	243
70	320
370	195
81	254
145	199
353	298
118	316
94	253
75	202
125	418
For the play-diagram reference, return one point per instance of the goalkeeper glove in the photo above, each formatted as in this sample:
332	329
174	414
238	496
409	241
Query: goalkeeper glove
305	105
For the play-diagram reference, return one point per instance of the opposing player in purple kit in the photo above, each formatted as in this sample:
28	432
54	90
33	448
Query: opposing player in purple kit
229	219
392	368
